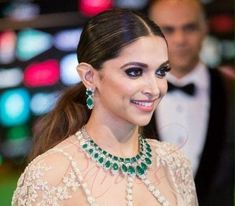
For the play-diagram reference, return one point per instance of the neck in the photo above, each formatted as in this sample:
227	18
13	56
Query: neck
180	72
117	139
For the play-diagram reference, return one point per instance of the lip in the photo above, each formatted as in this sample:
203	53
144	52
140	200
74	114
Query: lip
144	105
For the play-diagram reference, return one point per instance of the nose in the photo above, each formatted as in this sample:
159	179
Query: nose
178	37
151	88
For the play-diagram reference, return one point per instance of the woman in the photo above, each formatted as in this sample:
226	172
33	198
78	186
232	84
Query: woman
93	148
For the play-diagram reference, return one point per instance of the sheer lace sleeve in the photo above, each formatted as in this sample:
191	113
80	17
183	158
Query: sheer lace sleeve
47	181
180	171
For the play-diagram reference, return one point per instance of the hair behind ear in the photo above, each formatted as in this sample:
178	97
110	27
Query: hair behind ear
69	114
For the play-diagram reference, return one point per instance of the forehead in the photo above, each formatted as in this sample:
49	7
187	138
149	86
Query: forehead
176	12
151	50
145	43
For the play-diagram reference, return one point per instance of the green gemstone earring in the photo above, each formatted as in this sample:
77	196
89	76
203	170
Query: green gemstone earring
90	99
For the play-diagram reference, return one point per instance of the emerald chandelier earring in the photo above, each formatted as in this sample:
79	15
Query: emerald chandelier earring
90	98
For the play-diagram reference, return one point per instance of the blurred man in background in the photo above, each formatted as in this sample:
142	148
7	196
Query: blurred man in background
194	112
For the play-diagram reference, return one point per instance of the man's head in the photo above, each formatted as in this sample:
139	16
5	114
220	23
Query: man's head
183	24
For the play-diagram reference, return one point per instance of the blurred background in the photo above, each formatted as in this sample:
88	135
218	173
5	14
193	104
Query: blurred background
38	40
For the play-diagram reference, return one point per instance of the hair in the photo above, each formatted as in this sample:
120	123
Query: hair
102	39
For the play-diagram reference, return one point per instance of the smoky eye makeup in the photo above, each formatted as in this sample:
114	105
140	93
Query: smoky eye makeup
163	70
134	71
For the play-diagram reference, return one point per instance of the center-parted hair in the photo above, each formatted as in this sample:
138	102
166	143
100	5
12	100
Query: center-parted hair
105	35
102	39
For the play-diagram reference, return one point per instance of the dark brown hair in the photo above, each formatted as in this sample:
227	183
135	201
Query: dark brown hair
102	39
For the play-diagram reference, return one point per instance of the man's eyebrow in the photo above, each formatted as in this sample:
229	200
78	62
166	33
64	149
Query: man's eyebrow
140	64
191	24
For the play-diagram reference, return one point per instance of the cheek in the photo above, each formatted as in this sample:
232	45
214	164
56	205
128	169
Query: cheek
196	41
116	89
163	87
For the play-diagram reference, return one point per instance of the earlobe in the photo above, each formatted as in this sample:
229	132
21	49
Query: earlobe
86	73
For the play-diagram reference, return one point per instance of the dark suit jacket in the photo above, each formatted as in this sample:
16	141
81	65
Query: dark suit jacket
214	178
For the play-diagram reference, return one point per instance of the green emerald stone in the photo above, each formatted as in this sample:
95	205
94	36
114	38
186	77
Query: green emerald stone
90	102
138	157
96	155
115	166
148	154
148	161
148	149
84	146
95	144
121	159
101	160
115	158
133	159
107	164
144	166
104	152
127	160
90	151
139	171
131	170
124	168
89	92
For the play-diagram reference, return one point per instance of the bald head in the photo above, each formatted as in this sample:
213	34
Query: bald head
183	24
177	3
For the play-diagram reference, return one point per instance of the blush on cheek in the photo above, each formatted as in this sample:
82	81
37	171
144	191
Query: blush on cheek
163	90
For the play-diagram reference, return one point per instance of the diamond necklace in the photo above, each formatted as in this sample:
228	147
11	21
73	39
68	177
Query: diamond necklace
134	166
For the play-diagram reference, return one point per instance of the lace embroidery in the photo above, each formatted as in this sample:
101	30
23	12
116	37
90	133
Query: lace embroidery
33	188
179	167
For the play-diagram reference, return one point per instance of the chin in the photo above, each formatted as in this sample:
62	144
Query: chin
142	122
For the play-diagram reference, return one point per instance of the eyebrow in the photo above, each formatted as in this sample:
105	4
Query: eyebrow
134	64
191	24
140	64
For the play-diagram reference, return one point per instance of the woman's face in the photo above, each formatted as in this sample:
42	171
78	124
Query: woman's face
129	87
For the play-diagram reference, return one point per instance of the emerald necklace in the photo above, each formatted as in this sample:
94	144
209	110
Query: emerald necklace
136	166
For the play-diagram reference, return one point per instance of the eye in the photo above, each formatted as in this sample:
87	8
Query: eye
134	72
167	30
191	28
162	71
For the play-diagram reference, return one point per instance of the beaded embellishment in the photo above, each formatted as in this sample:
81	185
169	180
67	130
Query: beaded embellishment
134	166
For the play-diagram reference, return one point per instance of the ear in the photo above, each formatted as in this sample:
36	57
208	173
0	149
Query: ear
87	74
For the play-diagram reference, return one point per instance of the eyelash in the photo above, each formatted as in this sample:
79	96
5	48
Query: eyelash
162	71
136	72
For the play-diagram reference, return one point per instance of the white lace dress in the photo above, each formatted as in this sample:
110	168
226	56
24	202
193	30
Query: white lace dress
65	176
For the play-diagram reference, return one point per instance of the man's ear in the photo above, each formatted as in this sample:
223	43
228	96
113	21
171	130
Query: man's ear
86	73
